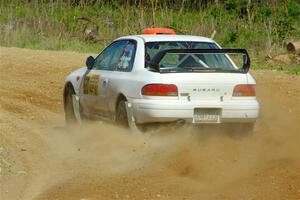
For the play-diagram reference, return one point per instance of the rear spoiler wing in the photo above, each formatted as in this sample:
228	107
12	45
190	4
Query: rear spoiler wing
154	63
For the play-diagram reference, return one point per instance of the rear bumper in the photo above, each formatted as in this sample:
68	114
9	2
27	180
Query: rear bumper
148	111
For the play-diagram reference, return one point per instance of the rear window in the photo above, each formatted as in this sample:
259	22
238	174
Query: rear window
181	61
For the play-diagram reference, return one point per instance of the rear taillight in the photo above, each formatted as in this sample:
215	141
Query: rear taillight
245	90
160	90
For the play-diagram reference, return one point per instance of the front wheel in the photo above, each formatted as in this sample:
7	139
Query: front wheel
69	108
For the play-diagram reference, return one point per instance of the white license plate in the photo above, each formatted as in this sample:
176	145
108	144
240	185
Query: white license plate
206	115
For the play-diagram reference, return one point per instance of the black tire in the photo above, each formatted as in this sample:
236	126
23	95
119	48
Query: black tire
170	126
69	110
242	129
248	127
121	114
142	128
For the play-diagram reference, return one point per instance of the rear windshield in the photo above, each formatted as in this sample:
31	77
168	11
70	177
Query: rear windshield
182	61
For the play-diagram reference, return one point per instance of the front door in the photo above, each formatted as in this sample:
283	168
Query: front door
97	82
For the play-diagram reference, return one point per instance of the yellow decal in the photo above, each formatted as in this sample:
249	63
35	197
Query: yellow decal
91	84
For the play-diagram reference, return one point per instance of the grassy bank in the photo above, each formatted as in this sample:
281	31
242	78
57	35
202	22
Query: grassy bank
262	28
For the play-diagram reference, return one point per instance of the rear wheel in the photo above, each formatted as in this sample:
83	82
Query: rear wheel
247	128
242	128
121	114
170	126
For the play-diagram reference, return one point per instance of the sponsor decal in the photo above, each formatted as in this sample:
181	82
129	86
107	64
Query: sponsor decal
91	84
126	58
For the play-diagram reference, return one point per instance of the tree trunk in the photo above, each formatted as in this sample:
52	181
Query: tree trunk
294	47
249	14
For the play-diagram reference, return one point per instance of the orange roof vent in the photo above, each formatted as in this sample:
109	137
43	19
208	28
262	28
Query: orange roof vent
158	31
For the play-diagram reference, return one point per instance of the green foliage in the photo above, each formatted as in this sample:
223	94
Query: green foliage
266	12
293	9
262	27
288	69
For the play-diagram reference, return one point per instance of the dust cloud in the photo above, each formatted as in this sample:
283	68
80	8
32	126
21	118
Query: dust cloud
211	159
41	158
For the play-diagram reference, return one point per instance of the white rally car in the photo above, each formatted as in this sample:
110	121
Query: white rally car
159	76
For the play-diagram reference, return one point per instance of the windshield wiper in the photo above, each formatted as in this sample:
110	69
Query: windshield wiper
193	69
202	69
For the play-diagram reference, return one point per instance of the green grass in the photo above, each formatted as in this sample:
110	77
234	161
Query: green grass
54	25
291	69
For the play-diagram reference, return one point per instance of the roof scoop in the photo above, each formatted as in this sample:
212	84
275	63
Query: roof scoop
159	31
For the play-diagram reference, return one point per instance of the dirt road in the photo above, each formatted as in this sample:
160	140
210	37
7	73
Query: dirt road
41	159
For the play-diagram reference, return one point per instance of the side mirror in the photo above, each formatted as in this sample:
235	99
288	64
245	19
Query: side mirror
90	61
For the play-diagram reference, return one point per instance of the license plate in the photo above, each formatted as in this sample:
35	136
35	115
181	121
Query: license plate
206	115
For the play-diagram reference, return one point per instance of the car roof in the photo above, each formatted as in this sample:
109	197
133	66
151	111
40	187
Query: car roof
166	37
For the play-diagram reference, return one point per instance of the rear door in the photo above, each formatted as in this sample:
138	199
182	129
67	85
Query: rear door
120	78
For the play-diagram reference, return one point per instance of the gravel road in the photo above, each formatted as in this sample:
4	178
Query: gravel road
41	159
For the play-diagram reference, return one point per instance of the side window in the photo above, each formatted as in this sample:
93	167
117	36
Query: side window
126	60
110	57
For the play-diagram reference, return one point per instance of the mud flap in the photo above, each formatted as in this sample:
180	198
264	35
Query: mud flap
75	101
130	117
